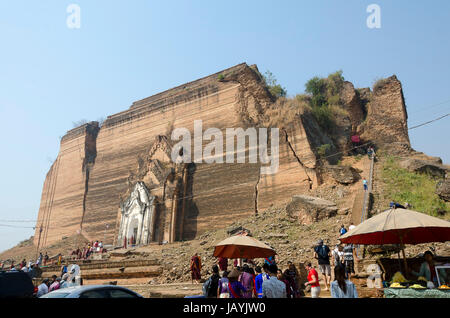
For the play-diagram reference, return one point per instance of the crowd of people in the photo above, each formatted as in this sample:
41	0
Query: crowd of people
31	267
45	260
64	281
89	249
249	280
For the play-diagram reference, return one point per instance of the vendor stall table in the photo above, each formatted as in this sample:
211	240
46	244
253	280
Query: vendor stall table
415	293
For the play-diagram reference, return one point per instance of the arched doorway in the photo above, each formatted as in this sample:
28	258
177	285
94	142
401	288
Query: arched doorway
133	230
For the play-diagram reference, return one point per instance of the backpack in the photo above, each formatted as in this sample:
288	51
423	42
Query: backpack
206	287
322	252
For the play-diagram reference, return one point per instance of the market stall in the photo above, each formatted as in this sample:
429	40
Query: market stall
402	226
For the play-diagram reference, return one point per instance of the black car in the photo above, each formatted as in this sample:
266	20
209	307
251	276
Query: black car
16	284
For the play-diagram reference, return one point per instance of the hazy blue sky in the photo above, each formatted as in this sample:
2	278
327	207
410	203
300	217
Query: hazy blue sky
51	76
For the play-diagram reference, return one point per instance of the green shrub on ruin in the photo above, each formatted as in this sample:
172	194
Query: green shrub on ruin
334	100
324	98
316	87
335	83
323	150
324	117
274	88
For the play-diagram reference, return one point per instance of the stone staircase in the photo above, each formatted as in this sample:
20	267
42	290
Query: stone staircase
135	271
360	209
361	202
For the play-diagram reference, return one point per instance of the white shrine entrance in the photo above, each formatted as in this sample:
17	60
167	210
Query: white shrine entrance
138	216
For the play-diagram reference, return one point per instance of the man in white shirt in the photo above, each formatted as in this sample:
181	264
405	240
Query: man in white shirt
43	288
273	288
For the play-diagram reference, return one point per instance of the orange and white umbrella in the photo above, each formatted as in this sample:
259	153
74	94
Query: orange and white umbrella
241	246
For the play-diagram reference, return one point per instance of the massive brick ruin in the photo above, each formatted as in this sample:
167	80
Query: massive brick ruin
124	167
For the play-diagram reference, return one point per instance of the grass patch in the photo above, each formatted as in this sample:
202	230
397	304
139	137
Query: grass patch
285	111
379	83
417	189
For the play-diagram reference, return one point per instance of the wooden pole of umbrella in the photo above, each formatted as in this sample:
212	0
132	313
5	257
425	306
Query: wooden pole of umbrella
403	253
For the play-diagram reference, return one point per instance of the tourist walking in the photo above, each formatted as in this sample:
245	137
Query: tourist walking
211	286
349	258
338	256
371	152
39	260
291	275
342	287
246	279
46	258
282	278
234	286
259	279
63	269
365	184
223	291
342	230
313	280
32	270
196	267
351	227
273	288
322	254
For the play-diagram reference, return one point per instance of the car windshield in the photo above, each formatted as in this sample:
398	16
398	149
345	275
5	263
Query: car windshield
55	295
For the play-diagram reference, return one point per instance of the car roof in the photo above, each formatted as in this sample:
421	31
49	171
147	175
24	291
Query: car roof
86	287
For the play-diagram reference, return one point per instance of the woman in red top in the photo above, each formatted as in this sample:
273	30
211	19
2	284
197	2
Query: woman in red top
313	280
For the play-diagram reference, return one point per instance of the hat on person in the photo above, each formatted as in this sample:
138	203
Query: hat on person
234	274
65	276
320	242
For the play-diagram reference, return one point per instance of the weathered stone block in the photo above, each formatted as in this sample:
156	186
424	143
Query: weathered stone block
310	209
344	174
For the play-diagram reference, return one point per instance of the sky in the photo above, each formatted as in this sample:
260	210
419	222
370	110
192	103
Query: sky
52	76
